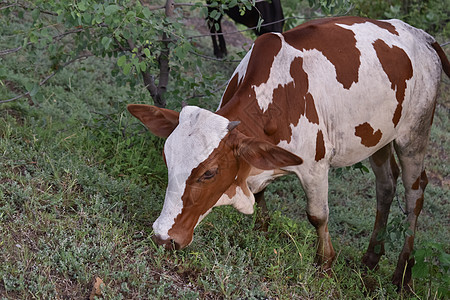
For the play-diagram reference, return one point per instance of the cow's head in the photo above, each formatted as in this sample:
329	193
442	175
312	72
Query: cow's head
208	164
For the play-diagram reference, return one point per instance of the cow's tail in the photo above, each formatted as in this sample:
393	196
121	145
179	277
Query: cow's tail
443	57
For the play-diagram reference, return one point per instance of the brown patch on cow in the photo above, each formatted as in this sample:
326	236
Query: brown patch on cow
320	146
385	25
419	206
271	127
397	66
443	57
315	221
337	44
231	192
415	185
310	109
423	180
357	20
262	58
231	89
369	138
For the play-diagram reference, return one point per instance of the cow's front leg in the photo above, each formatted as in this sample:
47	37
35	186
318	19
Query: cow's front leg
317	210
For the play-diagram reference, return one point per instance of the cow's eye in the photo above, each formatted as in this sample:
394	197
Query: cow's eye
208	174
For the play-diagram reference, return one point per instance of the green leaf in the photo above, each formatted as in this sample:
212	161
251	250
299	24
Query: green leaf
147	13
121	61
444	259
87	17
34	91
214	14
35	14
82	5
111	9
248	5
127	69
106	42
146	52
32	88
143	66
420	270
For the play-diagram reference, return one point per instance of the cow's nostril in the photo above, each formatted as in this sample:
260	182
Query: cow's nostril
169	244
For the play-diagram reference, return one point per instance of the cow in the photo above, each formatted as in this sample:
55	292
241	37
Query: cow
270	11
328	93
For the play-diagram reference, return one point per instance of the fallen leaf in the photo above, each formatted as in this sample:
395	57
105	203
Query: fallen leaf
96	288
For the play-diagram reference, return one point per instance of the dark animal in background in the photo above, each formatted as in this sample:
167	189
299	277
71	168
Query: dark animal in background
271	12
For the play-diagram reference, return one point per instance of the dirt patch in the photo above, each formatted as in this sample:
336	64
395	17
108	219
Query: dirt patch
16	114
438	179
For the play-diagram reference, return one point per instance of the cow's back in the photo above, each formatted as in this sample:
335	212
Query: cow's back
346	85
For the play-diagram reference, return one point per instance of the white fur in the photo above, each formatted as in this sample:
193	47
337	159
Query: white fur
240	201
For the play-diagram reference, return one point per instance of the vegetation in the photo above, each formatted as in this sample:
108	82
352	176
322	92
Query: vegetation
81	181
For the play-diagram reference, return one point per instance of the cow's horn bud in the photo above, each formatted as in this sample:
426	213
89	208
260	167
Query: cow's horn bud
233	125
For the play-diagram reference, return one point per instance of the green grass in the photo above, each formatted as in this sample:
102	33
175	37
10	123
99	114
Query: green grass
81	182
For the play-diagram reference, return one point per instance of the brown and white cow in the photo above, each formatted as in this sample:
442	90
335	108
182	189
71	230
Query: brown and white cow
328	93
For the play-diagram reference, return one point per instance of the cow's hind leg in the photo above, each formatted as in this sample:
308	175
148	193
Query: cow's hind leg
411	149
386	172
411	156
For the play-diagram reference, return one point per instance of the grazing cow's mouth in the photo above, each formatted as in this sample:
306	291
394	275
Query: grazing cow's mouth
169	244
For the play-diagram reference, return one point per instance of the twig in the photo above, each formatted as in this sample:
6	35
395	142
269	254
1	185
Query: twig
48	77
204	95
8	5
55	38
213	58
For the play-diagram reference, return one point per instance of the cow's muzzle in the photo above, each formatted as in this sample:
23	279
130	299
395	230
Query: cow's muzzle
169	244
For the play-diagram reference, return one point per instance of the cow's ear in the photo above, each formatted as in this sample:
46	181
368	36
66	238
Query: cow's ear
159	121
264	155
